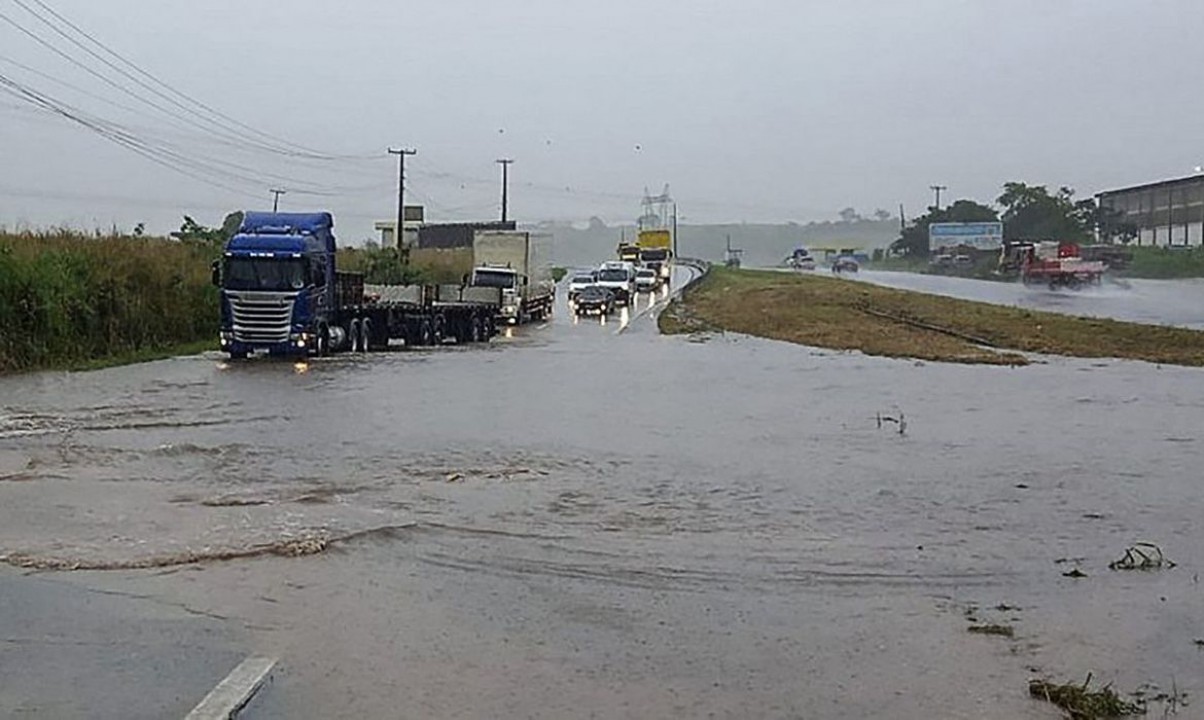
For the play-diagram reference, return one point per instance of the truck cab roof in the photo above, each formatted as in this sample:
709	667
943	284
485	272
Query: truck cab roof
245	244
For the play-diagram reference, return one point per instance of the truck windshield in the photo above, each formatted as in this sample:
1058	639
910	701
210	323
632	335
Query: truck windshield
653	255
613	276
493	278
245	273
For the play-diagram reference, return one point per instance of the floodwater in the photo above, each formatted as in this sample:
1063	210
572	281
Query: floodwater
1154	302
587	519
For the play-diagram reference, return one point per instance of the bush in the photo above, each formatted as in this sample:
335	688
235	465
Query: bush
66	298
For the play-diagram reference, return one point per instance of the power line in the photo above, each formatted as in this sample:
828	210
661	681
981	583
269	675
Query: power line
144	73
203	121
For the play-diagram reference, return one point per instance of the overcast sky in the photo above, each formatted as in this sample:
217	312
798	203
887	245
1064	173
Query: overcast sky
758	110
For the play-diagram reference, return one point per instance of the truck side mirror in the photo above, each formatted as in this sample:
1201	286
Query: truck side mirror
464	280
215	273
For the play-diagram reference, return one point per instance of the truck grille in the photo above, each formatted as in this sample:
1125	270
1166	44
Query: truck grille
261	317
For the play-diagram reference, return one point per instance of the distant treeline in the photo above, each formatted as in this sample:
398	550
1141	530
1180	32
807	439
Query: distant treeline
68	298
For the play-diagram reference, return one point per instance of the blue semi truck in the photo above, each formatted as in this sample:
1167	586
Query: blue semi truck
282	294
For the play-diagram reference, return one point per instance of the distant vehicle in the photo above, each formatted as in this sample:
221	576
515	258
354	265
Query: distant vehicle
1057	264
512	262
656	259
800	259
629	252
1116	257
619	280
595	300
647	280
579	282
845	264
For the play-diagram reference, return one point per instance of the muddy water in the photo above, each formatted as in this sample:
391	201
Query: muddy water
587	521
1156	302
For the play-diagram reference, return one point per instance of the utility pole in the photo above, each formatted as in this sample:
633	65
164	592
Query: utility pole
937	189
399	234
675	231
276	199
505	163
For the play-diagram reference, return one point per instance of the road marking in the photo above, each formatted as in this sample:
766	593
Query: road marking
233	693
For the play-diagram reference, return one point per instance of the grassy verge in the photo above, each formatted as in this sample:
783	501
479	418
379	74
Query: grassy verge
70	300
1164	263
842	315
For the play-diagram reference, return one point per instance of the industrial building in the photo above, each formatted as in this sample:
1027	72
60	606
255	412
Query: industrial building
1166	213
420	234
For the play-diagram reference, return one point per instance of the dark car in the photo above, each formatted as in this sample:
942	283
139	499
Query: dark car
595	300
844	264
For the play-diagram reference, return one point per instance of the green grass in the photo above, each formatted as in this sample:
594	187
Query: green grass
1165	264
70	300
827	312
558	273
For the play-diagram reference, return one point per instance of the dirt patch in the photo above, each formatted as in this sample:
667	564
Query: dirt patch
843	315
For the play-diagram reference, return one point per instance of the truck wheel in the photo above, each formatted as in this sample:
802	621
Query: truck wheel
438	331
425	334
478	330
322	342
353	335
366	335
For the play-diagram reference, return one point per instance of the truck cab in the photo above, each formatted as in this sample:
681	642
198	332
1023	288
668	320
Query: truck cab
276	277
509	282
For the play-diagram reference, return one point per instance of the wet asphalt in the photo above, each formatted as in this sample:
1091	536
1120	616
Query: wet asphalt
592	520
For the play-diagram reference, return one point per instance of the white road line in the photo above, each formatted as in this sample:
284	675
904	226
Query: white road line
233	693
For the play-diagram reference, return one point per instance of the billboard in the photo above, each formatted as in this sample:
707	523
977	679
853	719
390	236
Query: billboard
979	235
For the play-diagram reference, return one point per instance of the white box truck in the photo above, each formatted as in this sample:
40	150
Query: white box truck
515	262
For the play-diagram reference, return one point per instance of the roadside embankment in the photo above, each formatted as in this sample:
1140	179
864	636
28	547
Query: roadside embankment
70	300
833	313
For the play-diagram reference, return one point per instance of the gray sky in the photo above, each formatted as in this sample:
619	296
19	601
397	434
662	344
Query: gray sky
760	110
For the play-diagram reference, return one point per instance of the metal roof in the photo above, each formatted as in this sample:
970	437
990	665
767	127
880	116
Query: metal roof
1198	178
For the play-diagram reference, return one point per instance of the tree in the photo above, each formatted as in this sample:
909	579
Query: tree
192	231
881	215
849	215
913	241
1032	213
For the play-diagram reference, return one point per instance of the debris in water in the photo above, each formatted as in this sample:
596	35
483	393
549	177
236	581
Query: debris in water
900	421
993	629
1081	703
455	477
233	501
1142	556
1075	573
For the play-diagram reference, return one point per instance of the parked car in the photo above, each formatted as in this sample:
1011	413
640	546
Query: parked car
579	282
595	300
647	280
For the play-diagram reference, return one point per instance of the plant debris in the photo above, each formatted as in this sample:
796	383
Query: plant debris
1075	573
1079	702
1142	556
993	629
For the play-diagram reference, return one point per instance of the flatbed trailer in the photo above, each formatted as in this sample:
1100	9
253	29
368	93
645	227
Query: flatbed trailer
1072	273
417	315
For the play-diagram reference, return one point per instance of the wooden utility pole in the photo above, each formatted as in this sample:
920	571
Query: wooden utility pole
399	233
505	163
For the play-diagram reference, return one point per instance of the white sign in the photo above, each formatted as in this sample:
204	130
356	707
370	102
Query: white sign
980	235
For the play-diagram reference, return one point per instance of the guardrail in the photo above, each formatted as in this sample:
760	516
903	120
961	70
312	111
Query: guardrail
702	266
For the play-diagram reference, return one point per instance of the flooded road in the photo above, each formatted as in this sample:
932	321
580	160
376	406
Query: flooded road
1154	302
587	519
